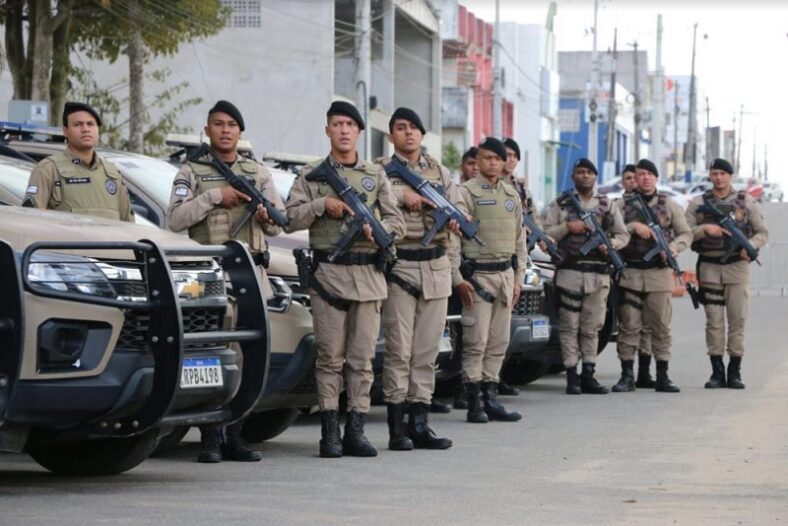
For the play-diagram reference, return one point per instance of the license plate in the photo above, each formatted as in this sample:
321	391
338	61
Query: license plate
201	372
540	329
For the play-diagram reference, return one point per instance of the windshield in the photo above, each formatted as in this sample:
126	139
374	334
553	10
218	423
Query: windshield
153	175
14	175
283	180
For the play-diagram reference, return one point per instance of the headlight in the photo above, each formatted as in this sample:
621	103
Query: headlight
65	273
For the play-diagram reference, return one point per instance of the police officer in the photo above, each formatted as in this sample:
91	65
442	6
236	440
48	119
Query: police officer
347	294
644	378
419	286
724	287
582	281
205	203
77	179
468	168
647	286
493	274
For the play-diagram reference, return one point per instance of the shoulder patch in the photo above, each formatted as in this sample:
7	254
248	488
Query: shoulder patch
111	186
509	205
181	192
368	183
32	189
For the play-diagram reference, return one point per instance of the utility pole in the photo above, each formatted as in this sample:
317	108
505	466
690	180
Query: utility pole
708	142
637	103
658	119
754	152
497	125
611	105
676	111
690	151
363	57
593	124
738	140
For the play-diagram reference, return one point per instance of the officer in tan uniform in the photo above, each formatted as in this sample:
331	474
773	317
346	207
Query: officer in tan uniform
724	287
493	274
347	294
583	281
647	287
419	286
205	203
78	180
468	168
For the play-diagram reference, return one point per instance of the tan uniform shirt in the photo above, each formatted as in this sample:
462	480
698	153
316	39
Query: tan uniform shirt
738	272
304	206
45	188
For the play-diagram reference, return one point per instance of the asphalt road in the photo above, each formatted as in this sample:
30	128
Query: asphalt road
698	457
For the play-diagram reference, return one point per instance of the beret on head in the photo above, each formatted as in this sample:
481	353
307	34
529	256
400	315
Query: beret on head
229	108
721	164
470	153
645	164
408	115
584	163
494	145
340	107
73	107
511	143
630	168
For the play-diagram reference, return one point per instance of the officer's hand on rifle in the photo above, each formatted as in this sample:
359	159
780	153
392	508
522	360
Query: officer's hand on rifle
664	257
577	227
414	201
713	230
744	255
454	227
336	208
466	293
232	197
516	294
642	230
367	231
262	215
603	249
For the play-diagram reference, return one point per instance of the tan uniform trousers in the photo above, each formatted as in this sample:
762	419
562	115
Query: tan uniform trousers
645	342
645	311
345	343
413	329
735	297
581	315
486	328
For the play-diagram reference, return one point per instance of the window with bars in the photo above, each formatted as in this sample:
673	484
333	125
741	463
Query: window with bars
244	13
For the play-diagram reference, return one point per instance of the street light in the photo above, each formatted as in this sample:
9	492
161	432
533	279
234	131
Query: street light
690	152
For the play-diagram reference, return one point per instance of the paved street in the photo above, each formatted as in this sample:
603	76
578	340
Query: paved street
699	457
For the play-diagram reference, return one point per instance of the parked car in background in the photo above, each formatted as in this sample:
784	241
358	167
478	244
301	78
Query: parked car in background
752	186
772	191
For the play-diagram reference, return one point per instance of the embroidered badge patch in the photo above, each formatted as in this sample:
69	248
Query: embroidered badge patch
111	186
509	205
32	189
368	183
181	191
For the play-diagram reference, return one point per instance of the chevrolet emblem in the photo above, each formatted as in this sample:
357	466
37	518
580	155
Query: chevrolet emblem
192	288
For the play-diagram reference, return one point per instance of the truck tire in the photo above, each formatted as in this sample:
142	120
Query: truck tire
84	457
170	440
265	425
524	371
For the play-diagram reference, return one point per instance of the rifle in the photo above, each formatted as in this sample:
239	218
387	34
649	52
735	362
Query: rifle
537	235
661	245
245	187
444	210
597	235
738	239
363	215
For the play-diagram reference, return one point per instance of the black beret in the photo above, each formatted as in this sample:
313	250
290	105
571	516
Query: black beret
408	115
645	164
340	107
229	108
721	164
73	107
584	163
470	153
511	143
630	168
494	145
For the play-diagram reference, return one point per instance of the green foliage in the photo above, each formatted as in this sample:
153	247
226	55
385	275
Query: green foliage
451	157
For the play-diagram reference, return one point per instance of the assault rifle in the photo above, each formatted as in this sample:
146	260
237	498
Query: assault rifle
244	186
537	235
363	215
597	235
444	210
738	238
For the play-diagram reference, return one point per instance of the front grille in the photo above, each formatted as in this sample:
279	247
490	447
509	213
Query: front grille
131	289
531	303
136	325
134	334
214	288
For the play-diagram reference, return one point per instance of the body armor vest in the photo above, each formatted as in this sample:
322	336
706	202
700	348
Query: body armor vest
215	228
495	206
638	246
326	231
89	192
571	243
738	206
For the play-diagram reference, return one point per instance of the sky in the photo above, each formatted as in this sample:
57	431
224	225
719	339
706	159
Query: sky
742	60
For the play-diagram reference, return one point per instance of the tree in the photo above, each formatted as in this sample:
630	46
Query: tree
451	157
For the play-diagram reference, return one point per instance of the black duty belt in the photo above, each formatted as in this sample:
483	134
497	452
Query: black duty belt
596	268
404	285
718	260
348	258
645	265
335	301
262	258
422	254
497	266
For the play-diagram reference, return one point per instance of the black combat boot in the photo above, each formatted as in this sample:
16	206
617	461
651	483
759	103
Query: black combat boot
663	383
354	443
626	383
419	430
331	441
475	414
717	378
588	383
494	410
460	397
439	407
505	389
734	373
236	449
644	375
572	381
210	444
398	437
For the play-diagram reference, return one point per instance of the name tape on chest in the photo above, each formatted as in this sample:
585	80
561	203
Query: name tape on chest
210	178
77	180
482	202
